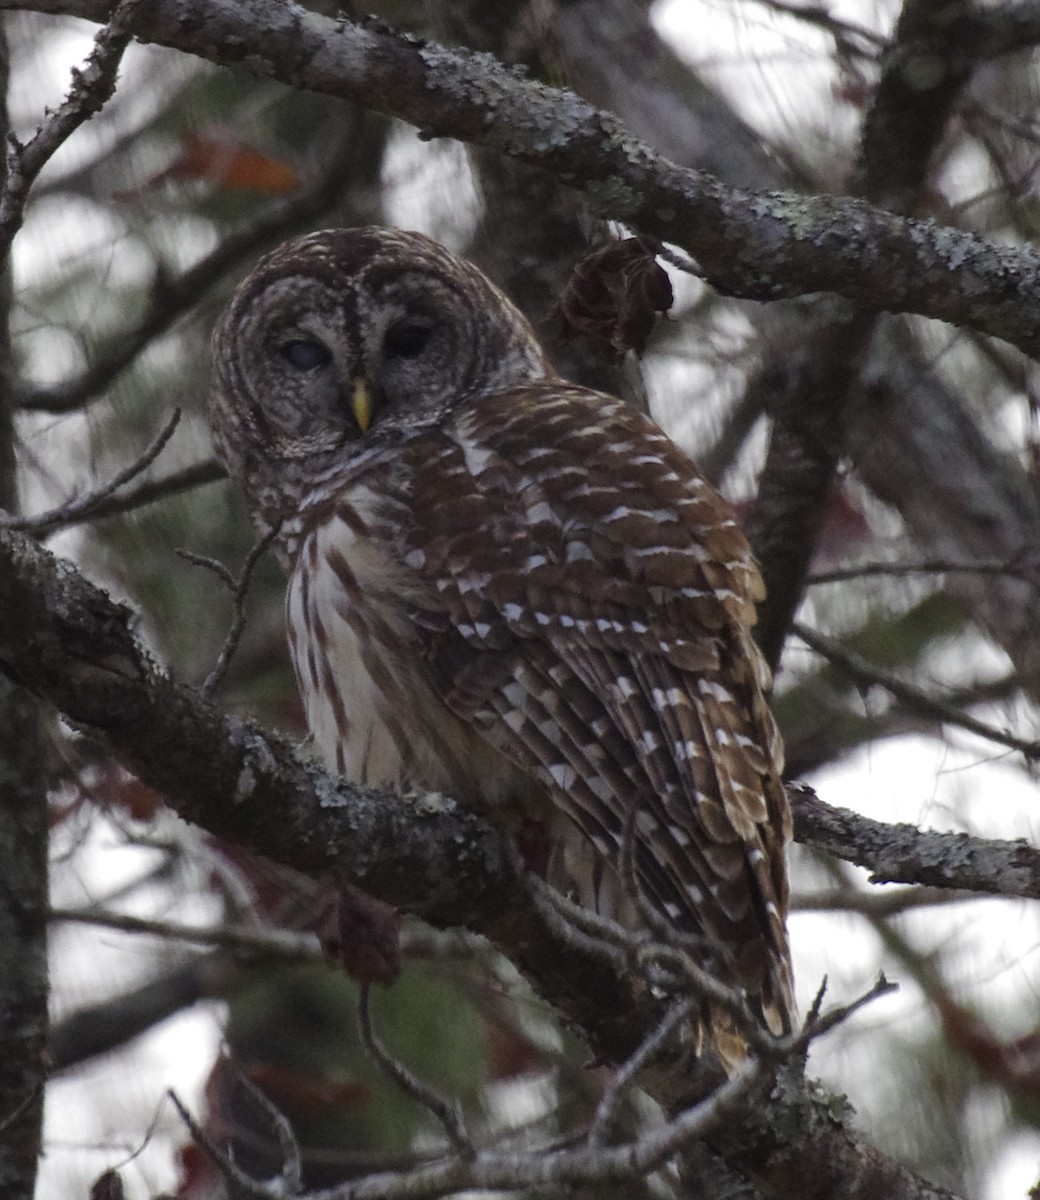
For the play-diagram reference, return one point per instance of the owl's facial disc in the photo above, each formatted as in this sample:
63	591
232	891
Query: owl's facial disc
350	335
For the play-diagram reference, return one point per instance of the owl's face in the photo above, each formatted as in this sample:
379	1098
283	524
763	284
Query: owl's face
340	338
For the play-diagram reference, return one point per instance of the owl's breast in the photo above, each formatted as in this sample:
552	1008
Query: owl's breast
371	705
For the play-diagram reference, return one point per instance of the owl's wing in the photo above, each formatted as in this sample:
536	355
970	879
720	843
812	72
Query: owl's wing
594	599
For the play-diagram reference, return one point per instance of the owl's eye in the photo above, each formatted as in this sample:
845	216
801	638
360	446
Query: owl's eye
407	339
304	355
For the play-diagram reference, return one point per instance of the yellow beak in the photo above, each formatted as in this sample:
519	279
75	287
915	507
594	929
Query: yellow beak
361	403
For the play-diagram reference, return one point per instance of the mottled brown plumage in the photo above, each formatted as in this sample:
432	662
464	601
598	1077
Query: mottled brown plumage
508	588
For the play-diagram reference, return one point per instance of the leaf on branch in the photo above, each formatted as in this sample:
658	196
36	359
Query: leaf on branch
107	1186
614	296
361	933
222	160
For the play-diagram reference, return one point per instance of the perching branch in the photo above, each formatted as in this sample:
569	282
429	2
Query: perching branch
65	640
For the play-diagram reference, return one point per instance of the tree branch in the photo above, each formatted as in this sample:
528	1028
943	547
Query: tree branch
913	698
759	246
906	854
65	640
23	839
181	480
91	89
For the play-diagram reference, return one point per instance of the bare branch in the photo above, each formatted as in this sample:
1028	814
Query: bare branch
759	246
291	1178
819	1025
589	1164
1021	569
914	698
69	643
113	1022
582	928
876	905
906	854
514	1171
83	508
846	34
90	91
445	1111
183	480
1009	26
626	1075
417	941
239	588
268	943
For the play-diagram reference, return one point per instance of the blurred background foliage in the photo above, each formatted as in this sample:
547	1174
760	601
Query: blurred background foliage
135	237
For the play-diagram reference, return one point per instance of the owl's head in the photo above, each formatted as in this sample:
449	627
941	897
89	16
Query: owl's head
348	337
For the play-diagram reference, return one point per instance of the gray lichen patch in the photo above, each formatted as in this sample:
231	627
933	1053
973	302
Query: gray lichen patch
611	195
432	804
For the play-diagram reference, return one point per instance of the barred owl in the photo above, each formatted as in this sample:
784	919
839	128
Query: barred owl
510	589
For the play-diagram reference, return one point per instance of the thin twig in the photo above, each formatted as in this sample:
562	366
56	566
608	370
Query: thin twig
280	943
887	903
223	1163
710	988
445	1111
935	566
606	1110
818	1026
675	958
844	32
914	698
148	492
680	953
555	1166
83	507
417	942
291	1177
584	929
238	621
22	1107
239	588
91	88
213	565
